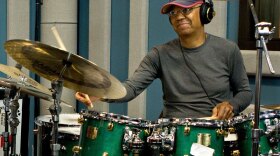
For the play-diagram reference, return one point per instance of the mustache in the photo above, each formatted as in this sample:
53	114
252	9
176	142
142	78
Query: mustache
181	21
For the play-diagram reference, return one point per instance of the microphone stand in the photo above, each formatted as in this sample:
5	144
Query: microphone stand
262	34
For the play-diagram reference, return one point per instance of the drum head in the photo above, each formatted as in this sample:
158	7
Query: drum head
64	119
70	130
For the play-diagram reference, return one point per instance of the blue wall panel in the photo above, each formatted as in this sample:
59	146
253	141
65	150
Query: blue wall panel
119	47
3	31
83	36
160	31
232	20
32	99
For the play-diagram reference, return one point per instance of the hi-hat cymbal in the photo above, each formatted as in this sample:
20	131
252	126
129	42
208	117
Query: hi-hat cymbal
81	75
29	89
8	83
18	75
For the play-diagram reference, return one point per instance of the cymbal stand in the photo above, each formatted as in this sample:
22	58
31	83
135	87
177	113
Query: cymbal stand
57	86
55	110
6	132
262	35
14	122
11	102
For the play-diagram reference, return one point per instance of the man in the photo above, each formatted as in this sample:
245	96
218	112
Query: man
202	75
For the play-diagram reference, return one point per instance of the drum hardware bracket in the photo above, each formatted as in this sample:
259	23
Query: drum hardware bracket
256	134
132	141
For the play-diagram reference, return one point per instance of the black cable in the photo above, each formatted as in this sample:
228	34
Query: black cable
190	66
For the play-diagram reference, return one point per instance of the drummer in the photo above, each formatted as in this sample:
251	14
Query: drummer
202	75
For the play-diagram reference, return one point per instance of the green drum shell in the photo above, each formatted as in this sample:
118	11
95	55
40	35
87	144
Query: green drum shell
244	131
183	142
107	141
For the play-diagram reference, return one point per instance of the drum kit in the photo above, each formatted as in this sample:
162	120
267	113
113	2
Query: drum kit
108	134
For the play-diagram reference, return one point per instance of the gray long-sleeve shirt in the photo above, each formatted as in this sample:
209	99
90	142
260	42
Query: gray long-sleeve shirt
193	80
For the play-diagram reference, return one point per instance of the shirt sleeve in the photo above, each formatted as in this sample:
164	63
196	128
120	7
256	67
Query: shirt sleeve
242	94
147	71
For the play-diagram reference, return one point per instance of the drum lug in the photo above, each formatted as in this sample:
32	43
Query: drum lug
110	126
76	149
236	153
231	130
221	132
81	120
105	154
187	130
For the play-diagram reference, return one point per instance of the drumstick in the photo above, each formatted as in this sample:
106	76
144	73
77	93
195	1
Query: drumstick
58	39
210	118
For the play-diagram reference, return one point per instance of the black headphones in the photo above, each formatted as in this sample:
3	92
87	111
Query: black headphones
207	12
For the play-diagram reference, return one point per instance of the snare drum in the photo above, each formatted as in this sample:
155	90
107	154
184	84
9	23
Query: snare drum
111	134
68	134
197	135
269	143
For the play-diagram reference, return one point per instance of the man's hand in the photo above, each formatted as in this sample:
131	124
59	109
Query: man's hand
223	111
84	98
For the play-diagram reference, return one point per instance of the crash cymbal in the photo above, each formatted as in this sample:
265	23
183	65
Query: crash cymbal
81	75
18	75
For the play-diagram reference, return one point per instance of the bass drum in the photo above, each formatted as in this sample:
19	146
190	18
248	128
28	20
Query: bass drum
68	134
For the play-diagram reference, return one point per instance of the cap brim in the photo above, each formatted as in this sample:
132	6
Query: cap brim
166	8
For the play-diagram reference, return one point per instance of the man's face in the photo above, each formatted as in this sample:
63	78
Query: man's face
186	21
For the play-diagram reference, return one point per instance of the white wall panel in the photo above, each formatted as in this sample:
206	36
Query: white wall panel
62	14
218	25
59	11
138	47
100	39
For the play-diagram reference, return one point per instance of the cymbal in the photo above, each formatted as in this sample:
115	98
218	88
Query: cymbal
29	89
24	88
18	75
276	106
81	75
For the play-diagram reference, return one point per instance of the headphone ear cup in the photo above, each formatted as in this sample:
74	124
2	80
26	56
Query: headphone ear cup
206	13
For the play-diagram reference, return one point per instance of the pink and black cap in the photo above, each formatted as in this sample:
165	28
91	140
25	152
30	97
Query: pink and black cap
181	3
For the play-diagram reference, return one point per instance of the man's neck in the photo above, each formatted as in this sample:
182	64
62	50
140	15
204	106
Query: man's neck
193	41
